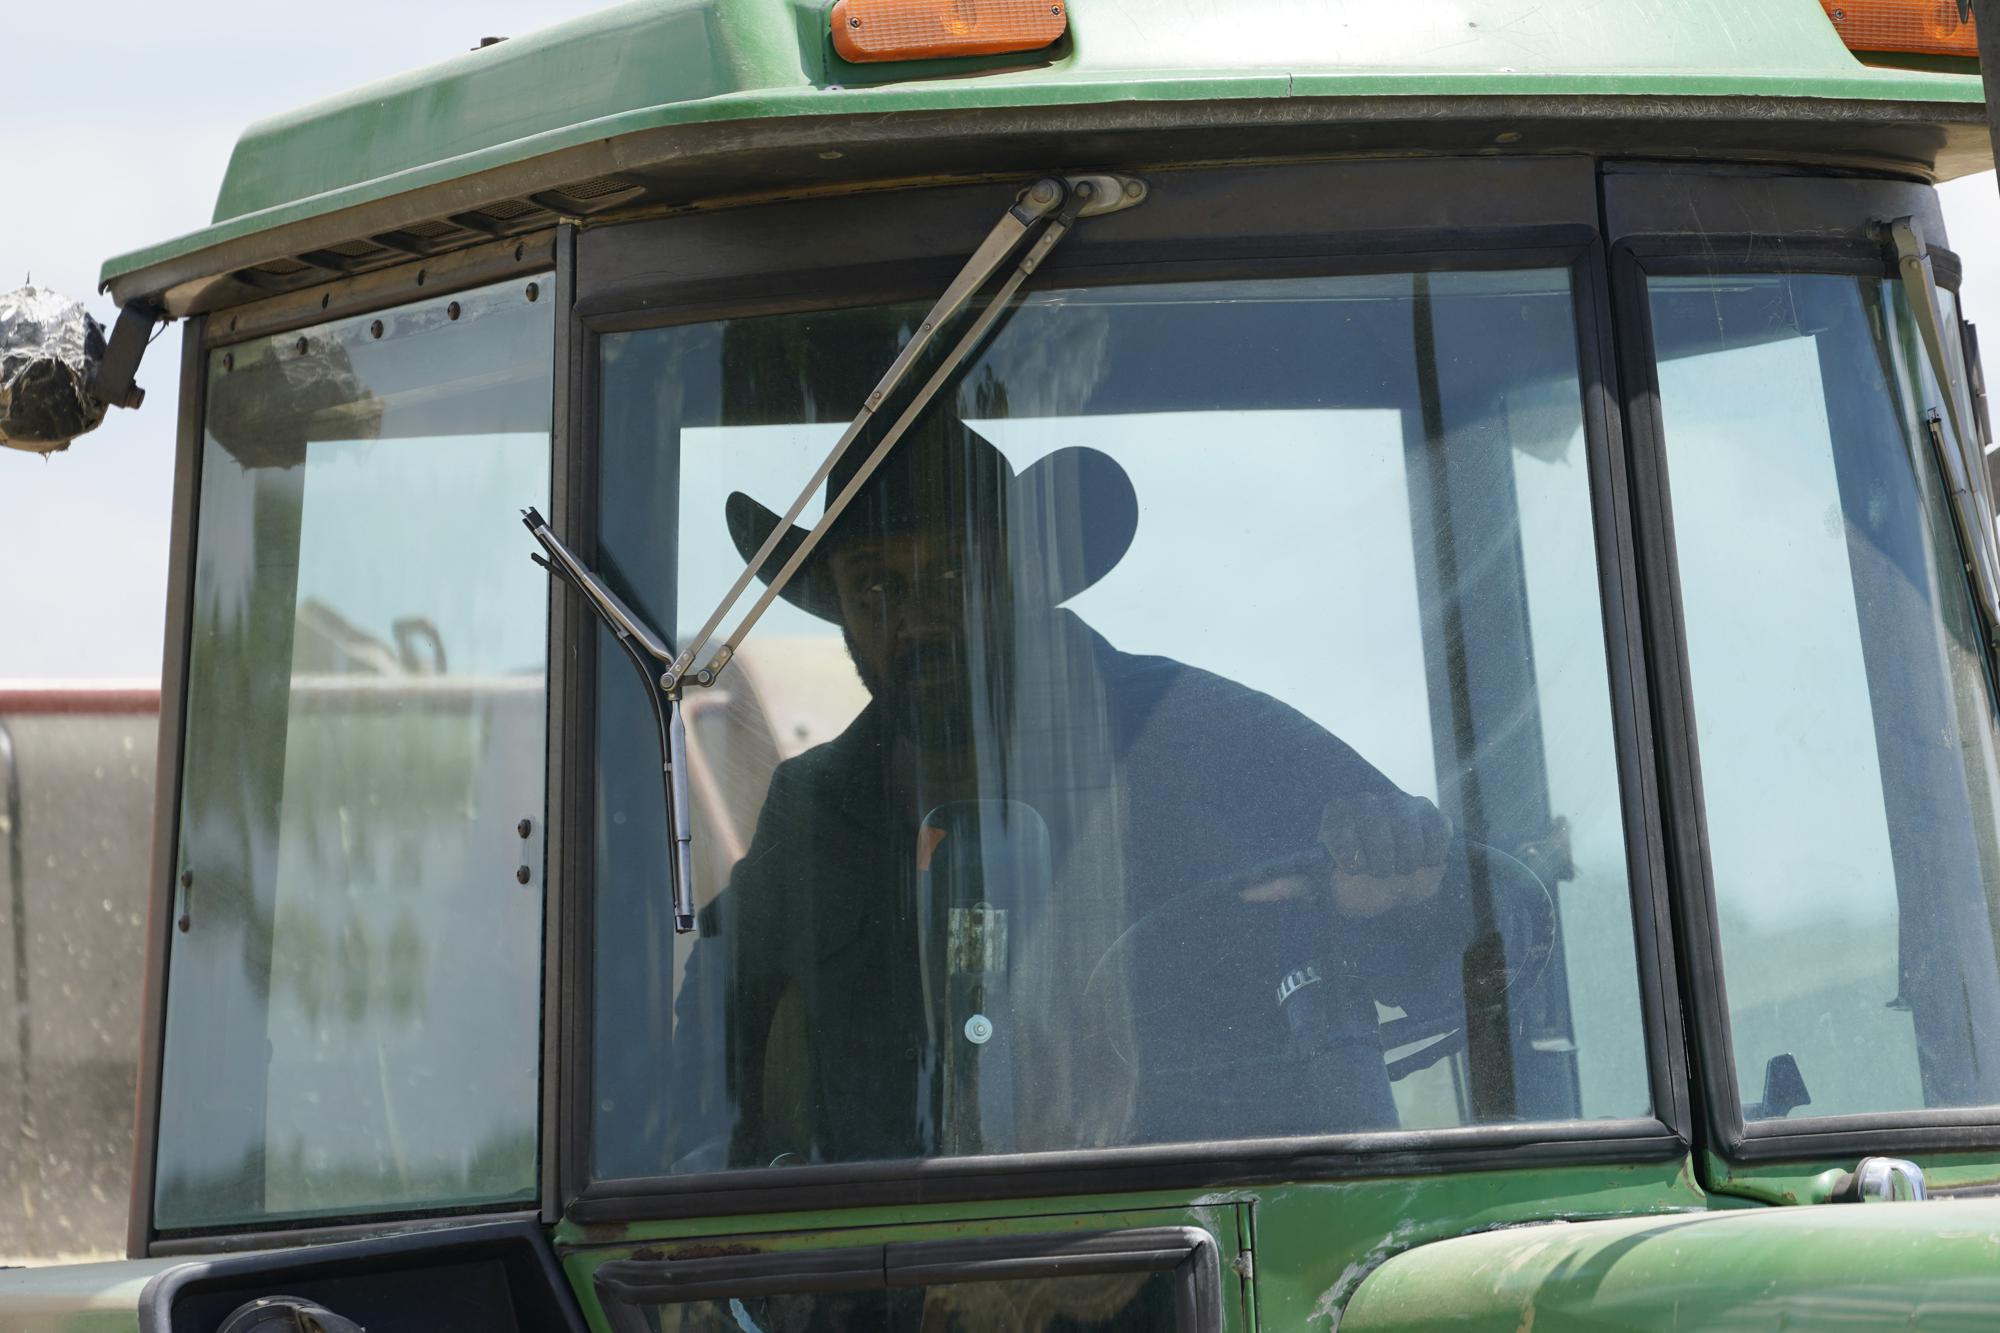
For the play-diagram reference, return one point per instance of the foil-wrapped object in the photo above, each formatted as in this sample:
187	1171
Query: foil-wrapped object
50	348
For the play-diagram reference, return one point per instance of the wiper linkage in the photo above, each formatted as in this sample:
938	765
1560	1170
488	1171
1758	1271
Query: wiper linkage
1068	199
1061	201
640	642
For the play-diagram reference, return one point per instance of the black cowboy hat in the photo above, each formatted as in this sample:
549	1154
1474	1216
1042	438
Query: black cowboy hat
1064	522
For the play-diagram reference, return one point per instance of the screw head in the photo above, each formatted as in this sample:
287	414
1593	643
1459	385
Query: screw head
375	329
452	311
979	1029
228	362
522	874
187	878
534	291
525	827
302	345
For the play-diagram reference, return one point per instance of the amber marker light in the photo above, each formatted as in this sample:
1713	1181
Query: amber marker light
873	30
1905	27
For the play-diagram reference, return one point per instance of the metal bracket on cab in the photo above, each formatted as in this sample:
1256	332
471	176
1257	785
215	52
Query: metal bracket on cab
1882	1180
113	383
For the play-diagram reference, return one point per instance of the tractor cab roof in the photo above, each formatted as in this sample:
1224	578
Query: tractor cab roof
664	104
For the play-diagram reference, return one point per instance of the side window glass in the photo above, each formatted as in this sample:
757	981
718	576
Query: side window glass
1842	703
353	1015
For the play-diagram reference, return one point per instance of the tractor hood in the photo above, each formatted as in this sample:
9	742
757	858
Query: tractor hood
1931	1265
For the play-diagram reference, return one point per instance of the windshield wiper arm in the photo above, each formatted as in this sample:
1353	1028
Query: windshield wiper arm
640	642
1963	466
1068	199
1062	202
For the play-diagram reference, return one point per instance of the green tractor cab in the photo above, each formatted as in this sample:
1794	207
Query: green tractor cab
1267	666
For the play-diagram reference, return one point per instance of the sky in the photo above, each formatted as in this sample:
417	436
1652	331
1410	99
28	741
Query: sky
126	111
120	118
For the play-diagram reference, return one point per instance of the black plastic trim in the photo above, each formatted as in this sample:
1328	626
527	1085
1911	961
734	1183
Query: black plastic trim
167	780
1702	204
441	275
1190	1253
1628	647
1177	1166
539	1291
207	1244
574	519
699	267
664	1282
558	831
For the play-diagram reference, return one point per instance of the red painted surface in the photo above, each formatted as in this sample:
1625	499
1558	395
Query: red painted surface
42	698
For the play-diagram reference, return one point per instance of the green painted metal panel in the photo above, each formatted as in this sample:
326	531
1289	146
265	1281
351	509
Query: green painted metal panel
1315	1244
76	1298
660	64
1311	1243
1857	1267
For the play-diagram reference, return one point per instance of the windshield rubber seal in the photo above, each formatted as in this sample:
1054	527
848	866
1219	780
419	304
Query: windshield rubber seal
703	293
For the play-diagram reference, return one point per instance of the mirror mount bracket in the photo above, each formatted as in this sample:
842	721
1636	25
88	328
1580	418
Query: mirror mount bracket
114	381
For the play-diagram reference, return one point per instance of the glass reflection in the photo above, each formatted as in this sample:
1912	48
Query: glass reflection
1849	754
1038	816
353	1010
1118	1303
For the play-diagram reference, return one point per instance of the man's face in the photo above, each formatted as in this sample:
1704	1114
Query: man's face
903	606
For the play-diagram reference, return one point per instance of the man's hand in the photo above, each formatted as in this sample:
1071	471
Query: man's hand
1388	851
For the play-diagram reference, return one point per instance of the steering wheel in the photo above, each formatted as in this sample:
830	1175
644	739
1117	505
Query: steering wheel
1193	988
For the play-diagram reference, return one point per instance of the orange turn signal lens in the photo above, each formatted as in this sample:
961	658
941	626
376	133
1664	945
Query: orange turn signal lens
872	30
1905	27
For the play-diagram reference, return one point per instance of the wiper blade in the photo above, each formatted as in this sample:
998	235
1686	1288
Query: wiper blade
1068	199
617	616
1059	202
1961	462
640	642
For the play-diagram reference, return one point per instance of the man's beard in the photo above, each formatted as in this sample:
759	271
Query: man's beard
934	695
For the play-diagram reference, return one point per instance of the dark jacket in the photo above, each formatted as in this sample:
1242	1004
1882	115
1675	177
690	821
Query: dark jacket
1161	785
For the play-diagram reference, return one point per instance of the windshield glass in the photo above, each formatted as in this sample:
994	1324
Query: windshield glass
1198	730
1843	706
